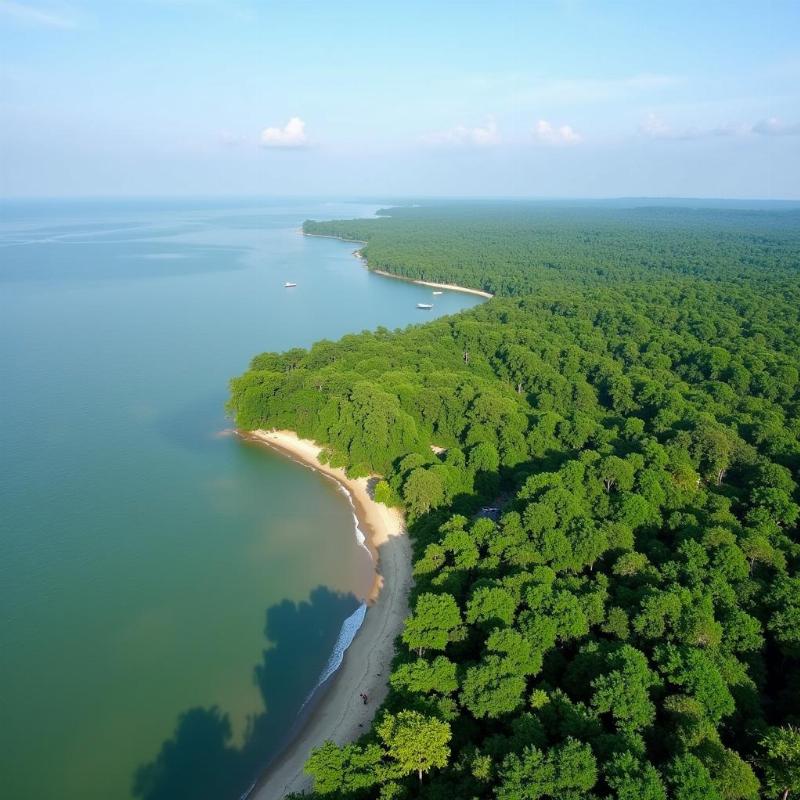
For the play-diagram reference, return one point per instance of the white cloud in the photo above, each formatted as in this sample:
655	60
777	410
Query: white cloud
547	133
775	127
35	16
654	127
291	135
480	136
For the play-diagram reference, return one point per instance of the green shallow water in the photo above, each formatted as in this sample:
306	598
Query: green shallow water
169	594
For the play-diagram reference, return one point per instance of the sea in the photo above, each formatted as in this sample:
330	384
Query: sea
170	594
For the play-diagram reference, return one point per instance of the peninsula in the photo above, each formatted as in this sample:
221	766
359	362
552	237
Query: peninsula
598	471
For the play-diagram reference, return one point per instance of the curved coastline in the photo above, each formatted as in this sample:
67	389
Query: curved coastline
336	711
451	287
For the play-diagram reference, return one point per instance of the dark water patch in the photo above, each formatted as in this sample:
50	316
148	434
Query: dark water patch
200	760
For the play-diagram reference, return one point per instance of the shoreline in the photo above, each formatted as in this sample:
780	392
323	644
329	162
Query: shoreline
337	713
451	287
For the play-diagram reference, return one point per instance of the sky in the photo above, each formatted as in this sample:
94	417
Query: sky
555	98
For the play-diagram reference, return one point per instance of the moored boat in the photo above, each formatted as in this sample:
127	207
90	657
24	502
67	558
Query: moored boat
425	306
289	285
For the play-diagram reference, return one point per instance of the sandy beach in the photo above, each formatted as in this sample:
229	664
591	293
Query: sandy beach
340	714
451	287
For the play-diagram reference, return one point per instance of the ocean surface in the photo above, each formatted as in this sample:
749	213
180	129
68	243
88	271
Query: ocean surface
169	594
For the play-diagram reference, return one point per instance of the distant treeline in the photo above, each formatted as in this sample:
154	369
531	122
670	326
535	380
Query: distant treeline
513	248
628	625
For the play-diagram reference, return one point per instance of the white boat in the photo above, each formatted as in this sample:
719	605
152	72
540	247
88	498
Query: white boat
425	306
437	292
289	285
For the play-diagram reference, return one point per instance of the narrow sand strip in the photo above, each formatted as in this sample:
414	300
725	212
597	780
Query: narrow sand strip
452	287
340	714
449	286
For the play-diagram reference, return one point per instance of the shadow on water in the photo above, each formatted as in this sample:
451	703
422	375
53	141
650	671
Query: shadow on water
199	761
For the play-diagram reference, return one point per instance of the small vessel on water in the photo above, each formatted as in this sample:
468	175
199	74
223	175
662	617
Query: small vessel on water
425	306
289	285
437	292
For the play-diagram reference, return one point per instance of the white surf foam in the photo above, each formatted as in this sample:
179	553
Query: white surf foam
360	537
347	633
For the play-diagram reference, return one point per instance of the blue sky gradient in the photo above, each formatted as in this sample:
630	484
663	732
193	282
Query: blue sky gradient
543	99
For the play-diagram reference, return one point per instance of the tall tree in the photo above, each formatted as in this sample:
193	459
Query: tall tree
416	743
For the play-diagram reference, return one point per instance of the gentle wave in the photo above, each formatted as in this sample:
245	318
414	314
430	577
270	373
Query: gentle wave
347	633
353	623
360	537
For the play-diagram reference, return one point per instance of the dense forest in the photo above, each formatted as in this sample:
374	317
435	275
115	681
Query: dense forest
511	248
626	623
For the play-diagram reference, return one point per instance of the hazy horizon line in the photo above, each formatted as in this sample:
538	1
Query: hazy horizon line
400	197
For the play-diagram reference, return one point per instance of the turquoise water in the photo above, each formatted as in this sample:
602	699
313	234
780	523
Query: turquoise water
169	594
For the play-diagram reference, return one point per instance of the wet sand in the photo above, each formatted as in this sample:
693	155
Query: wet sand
340	715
